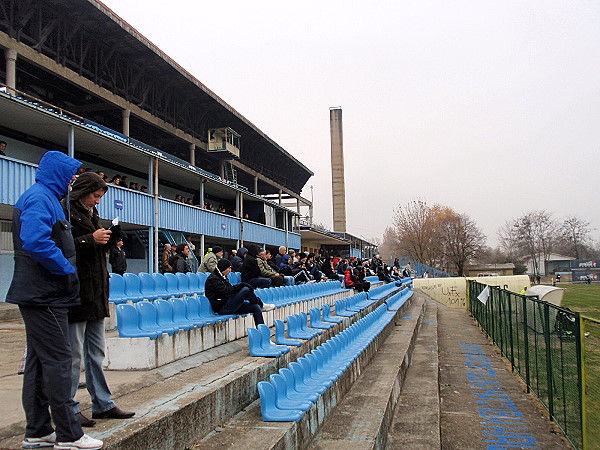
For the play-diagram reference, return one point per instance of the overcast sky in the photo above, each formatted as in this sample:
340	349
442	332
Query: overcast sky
489	107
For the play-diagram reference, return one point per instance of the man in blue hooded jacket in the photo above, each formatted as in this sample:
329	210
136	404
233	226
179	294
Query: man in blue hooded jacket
44	285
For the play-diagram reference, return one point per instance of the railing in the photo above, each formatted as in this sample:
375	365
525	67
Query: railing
137	208
547	347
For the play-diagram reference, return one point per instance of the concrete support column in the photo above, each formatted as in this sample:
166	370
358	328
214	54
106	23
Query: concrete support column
298	205
152	251
126	114
238	203
202	193
223	170
10	56
286	226
202	250
71	142
193	154
255	186
156	212
280	193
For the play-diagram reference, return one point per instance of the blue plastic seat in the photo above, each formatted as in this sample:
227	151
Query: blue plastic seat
148	319
192	313
296	384
258	346
294	330
316	322
183	283
280	335
282	401
147	286
194	282
340	309
304	324
127	323
266	343
205	310
160	286
179	314
280	383
116	287
268	409
327	317
173	285
165	314
202	281
132	287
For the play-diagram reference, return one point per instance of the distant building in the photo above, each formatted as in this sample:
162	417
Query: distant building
553	264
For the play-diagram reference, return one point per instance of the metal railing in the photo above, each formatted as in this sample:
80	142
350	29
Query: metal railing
549	348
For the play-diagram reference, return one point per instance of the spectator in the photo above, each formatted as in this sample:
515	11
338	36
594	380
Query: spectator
189	201
116	180
251	271
313	269
188	239
227	299
44	285
209	263
232	255
267	271
101	174
352	281
280	255
180	262
105	179
124	181
144	189
3	145
117	258
238	260
86	321
166	256
328	269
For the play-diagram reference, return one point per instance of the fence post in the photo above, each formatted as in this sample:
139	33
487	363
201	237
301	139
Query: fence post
548	359
526	337
582	381
510	330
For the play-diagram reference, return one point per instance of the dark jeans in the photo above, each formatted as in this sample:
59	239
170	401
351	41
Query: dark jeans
260	282
237	305
47	378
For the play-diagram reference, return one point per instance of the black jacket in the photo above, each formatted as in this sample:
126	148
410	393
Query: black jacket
180	263
117	260
250	268
236	263
218	290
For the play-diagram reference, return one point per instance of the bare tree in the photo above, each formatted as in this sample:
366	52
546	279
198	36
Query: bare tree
461	240
575	233
389	247
414	227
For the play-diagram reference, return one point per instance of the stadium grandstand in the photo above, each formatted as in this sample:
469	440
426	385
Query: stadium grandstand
101	92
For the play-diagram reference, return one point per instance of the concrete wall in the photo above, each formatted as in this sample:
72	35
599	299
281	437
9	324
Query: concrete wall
452	292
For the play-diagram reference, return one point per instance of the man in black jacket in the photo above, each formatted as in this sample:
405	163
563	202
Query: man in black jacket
180	261
227	299
117	258
251	271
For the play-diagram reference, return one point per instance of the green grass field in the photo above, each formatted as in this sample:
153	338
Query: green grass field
584	298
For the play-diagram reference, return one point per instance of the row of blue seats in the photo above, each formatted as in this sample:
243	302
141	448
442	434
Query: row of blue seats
259	339
288	295
153	319
294	390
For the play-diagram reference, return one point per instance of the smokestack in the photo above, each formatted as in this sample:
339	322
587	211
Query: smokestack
338	188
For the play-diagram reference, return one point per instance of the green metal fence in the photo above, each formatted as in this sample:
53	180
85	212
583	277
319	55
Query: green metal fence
590	344
546	346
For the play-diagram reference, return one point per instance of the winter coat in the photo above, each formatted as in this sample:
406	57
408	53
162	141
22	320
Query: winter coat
91	257
250	268
265	269
209	263
236	264
180	263
218	290
117	260
44	272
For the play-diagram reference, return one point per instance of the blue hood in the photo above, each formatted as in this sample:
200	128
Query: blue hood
55	172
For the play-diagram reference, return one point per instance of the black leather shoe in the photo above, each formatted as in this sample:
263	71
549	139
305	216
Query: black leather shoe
84	421
114	413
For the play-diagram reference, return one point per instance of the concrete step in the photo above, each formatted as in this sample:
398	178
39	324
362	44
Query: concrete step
175	404
416	421
248	427
363	417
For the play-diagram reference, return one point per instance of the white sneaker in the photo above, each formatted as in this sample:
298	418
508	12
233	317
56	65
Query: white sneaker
84	442
45	441
268	307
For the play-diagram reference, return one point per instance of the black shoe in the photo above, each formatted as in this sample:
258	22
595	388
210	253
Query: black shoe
84	421
114	413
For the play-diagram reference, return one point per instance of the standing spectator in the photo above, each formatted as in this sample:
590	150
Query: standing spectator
227	299
209	263
188	238
116	180
117	258
232	254
251	271
86	321
3	145
166	256
180	262
44	285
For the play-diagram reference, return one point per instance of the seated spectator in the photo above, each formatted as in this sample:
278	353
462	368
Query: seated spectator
209	262
341	267
352	281
251	271
299	269
268	272
238	260
279	257
179	262
313	268
327	269
227	299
